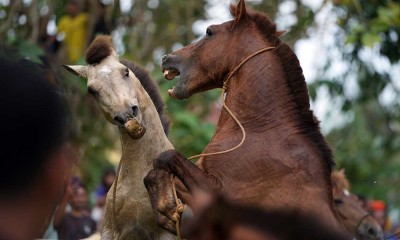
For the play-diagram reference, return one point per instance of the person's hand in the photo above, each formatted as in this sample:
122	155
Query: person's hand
69	192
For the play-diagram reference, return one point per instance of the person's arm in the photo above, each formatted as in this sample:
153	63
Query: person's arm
60	211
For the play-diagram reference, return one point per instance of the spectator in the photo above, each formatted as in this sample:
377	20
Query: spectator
77	223
396	231
74	27
33	157
363	201
51	232
101	26
101	194
379	212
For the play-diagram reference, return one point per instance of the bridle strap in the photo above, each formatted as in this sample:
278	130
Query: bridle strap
390	236
362	219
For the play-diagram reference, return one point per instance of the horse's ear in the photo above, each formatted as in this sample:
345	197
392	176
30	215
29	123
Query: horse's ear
78	70
239	12
280	33
335	187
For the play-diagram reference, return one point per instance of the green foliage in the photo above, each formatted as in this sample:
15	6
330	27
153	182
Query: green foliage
367	147
368	150
20	48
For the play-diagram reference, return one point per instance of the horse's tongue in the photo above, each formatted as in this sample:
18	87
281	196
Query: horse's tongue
170	74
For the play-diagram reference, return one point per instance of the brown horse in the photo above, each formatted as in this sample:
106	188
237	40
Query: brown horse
356	219
284	161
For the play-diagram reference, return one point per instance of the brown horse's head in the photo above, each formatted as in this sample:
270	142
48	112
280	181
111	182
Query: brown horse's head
203	65
353	216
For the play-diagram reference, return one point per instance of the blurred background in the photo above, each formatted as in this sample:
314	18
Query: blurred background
349	51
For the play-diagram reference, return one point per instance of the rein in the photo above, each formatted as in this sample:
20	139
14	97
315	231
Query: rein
390	236
362	219
224	89
179	205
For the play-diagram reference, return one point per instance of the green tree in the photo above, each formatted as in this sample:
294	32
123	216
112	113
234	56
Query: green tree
367	146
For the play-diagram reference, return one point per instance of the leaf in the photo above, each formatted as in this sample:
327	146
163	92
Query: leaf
30	51
369	39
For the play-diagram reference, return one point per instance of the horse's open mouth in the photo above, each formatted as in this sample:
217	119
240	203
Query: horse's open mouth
170	74
135	129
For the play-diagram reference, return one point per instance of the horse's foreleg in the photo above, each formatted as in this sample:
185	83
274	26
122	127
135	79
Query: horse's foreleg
159	186
190	175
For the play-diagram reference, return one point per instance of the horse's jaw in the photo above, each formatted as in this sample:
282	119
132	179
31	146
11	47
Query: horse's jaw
135	129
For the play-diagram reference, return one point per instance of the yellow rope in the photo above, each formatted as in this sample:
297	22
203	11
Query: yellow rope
224	87
178	210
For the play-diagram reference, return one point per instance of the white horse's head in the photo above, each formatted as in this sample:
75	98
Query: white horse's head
113	86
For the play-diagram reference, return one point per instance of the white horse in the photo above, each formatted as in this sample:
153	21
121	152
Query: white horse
126	104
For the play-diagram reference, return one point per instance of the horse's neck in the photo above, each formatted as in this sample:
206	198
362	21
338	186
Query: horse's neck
138	154
259	96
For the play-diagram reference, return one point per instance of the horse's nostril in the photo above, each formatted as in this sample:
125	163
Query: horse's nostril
164	58
135	111
119	120
371	231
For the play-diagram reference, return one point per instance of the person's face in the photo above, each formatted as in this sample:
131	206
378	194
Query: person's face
380	216
73	9
363	203
109	179
79	199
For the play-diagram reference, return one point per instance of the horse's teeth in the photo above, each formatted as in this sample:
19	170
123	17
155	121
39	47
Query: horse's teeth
170	74
166	72
171	93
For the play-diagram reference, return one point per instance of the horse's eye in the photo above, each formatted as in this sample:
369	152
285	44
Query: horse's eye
338	201
91	91
126	72
209	32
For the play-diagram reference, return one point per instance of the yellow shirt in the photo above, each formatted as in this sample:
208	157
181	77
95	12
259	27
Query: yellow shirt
75	30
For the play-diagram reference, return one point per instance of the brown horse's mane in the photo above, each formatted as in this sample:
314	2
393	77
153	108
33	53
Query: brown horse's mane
307	123
102	47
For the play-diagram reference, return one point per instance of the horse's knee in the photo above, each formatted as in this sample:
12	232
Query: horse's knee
165	159
158	185
150	179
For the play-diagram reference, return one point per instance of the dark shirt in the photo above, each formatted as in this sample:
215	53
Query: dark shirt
74	228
